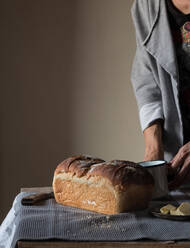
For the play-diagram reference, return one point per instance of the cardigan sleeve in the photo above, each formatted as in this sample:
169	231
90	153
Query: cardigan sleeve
146	88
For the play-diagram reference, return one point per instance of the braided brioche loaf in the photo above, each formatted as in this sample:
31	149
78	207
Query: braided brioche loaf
105	187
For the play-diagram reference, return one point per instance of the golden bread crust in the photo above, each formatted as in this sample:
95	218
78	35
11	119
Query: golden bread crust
105	187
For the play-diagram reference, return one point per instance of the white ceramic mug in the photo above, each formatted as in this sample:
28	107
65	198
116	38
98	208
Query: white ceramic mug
158	170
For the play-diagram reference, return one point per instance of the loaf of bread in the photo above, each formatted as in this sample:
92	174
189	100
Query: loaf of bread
105	187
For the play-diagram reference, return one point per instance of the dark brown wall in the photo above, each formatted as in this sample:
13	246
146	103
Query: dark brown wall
37	48
65	87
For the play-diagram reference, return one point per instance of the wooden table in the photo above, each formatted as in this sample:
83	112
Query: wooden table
70	244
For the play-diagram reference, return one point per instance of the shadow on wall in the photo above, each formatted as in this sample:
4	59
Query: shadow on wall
2	213
36	76
65	88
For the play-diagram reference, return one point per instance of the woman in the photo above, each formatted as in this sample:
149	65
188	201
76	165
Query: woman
161	81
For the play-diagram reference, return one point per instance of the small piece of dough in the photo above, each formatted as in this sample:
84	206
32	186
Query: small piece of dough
183	209
167	209
174	212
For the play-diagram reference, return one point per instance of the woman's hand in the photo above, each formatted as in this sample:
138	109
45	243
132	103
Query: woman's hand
180	165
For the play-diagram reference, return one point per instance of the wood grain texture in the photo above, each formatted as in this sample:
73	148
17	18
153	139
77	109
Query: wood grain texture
32	244
37	189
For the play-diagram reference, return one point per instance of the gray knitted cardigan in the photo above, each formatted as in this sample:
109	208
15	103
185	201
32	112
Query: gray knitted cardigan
155	72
